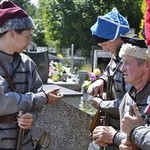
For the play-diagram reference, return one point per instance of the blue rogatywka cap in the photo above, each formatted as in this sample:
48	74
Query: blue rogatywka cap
110	26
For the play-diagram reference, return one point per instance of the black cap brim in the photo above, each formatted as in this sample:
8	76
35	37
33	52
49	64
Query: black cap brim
98	39
134	41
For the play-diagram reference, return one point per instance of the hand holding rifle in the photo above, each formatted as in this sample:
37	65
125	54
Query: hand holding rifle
24	122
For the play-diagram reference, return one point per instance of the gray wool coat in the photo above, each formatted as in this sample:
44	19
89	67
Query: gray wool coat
28	96
141	99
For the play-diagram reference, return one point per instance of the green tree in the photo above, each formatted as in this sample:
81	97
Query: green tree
26	5
32	11
22	3
143	10
39	33
68	21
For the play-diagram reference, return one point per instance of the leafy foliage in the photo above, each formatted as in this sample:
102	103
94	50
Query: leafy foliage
24	4
59	23
69	21
143	10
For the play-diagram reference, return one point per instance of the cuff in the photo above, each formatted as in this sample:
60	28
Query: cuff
131	133
46	97
114	138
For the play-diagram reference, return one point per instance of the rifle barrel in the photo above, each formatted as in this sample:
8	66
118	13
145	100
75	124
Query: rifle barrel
20	139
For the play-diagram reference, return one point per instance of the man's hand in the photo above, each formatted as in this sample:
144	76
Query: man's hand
53	96
25	120
96	88
103	135
129	122
125	145
95	102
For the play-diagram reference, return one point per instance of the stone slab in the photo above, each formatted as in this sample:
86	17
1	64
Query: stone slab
67	125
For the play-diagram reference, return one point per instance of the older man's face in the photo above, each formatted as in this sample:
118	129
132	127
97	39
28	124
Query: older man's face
132	71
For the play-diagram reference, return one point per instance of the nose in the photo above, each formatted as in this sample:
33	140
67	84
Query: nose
29	40
121	67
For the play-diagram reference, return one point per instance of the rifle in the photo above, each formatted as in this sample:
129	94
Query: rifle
20	139
40	143
20	135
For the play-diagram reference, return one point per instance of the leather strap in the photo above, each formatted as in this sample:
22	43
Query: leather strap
8	118
7	76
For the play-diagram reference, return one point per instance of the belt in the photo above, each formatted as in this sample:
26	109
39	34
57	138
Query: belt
12	118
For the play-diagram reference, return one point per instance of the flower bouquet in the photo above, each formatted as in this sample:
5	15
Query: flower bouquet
92	76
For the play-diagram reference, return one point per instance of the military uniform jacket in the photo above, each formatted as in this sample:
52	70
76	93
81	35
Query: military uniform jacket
28	96
141	99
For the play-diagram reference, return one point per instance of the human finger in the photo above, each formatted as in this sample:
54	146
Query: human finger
90	90
100	143
55	91
126	142
53	99
136	111
25	121
125	145
100	92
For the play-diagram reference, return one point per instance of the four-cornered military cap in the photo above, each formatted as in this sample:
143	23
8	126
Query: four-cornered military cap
13	17
110	26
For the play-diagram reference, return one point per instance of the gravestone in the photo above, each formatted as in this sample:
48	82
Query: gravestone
67	125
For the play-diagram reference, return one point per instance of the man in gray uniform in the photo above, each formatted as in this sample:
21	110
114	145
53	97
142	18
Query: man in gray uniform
20	85
107	32
135	68
133	125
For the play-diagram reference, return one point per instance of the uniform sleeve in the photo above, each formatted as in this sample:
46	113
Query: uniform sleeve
141	136
118	137
110	106
13	102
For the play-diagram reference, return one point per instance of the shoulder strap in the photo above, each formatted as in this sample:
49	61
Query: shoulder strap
7	76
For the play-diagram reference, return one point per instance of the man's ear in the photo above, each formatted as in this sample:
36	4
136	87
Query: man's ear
147	63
